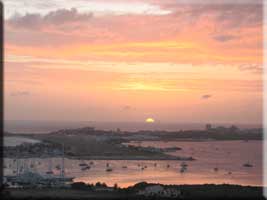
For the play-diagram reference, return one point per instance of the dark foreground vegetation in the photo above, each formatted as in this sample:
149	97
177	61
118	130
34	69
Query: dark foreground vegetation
138	191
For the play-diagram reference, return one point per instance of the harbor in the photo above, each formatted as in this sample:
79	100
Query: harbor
25	174
210	166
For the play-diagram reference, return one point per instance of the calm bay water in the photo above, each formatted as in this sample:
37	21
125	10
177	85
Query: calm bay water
227	156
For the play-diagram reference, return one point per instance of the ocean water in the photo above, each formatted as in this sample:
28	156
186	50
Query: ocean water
49	126
14	141
227	156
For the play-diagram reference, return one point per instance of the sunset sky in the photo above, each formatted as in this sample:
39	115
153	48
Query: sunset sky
117	60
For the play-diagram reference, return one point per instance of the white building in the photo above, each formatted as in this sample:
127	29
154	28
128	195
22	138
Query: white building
160	191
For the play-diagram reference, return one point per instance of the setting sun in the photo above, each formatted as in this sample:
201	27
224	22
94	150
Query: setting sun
150	120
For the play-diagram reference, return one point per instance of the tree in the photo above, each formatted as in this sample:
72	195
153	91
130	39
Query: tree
115	186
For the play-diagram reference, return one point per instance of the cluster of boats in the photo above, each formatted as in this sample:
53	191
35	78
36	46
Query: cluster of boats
183	166
87	166
182	169
84	166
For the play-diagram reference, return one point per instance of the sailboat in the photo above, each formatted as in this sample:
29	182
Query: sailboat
247	165
109	169
183	164
182	170
50	167
183	167
58	167
82	164
85	168
62	170
32	164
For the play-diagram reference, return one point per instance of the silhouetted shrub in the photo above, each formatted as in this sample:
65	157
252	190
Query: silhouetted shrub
80	186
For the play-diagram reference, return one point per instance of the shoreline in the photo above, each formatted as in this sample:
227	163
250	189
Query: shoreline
103	158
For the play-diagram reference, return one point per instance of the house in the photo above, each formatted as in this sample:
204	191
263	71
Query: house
160	191
103	189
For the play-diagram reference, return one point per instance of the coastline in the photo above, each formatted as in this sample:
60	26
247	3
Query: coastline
106	158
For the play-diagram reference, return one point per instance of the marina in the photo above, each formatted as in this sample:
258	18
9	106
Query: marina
25	174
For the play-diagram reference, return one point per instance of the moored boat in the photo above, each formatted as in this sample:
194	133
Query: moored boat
109	169
247	165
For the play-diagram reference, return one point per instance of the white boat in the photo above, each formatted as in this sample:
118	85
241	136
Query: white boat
182	170
183	167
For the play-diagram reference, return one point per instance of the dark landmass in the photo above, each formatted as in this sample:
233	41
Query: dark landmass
88	143
139	191
209	133
86	147
217	133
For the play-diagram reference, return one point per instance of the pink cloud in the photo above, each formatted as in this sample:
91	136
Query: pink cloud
210	33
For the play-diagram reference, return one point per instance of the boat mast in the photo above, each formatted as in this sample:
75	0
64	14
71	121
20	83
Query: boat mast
32	166
62	162
17	163
25	166
50	165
